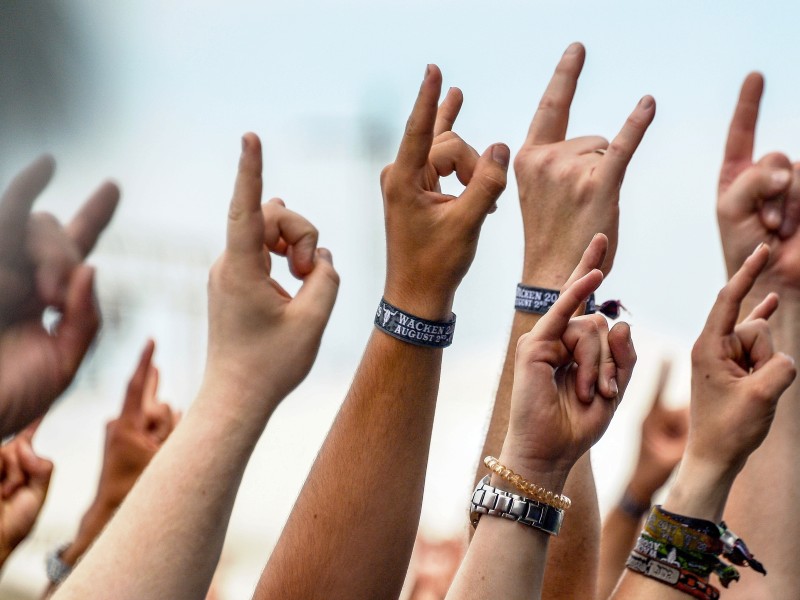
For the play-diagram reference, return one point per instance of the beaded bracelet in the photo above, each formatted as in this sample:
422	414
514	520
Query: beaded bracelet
531	490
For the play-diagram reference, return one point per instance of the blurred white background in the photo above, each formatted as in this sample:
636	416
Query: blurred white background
156	94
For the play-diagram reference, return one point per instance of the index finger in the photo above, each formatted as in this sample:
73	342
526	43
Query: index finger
245	233
742	132
549	124
418	136
592	258
448	111
17	200
553	324
725	312
30	430
134	396
93	217
661	384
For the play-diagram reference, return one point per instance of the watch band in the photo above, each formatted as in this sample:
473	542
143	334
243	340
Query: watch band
489	500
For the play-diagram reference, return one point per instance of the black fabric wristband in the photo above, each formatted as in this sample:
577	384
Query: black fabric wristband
414	330
538	300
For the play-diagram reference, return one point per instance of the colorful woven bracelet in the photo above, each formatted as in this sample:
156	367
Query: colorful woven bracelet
672	575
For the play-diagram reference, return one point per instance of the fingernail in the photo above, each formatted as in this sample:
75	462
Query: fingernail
501	154
427	71
612	384
572	48
760	245
244	143
773	217
781	178
592	391
646	102
325	255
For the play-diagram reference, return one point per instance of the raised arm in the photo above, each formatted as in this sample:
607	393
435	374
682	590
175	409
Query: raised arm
41	265
737	379
165	540
351	532
568	191
664	433
132	439
561	404
760	202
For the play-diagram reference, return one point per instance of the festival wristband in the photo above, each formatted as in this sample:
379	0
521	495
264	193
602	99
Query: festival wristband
700	536
414	330
539	300
680	579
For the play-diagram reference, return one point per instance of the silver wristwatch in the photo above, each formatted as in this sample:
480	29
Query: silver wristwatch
489	500
57	569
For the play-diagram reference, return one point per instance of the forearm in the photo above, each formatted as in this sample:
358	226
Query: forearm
359	509
621	527
572	559
775	539
700	491
172	524
506	559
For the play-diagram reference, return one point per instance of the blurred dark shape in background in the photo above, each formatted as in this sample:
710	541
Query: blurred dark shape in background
46	74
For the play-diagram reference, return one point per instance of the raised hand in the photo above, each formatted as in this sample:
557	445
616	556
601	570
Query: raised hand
737	377
758	201
262	341
569	377
569	189
664	434
25	478
135	436
432	237
41	264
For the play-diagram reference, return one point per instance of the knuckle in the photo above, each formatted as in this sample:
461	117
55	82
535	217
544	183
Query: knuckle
545	158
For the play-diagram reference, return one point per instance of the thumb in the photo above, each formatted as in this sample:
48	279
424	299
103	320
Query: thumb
488	181
79	323
317	295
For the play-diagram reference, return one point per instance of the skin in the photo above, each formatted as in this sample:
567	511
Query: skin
41	265
759	201
567	194
132	440
261	344
737	379
664	434
381	436
25	478
551	427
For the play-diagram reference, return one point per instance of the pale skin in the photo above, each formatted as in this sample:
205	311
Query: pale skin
132	440
552	426
374	459
42	265
568	193
737	379
24	481
759	201
262	343
664	434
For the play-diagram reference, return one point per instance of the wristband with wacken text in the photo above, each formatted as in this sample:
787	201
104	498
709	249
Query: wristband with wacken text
414	330
539	300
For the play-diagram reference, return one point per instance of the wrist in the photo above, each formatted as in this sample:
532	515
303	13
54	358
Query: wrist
540	271
97	516
701	489
428	304
544	473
